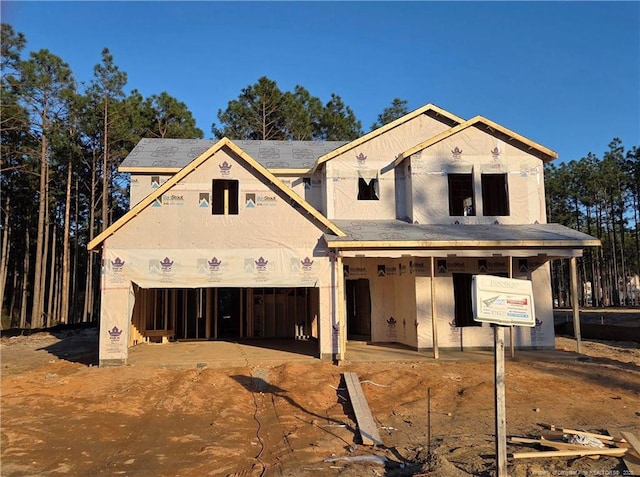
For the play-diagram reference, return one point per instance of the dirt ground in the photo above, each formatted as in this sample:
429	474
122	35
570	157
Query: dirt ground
62	415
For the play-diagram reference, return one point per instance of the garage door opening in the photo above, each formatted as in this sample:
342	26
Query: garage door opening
226	313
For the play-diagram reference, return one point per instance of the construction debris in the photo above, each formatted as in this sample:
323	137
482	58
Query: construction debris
575	443
364	419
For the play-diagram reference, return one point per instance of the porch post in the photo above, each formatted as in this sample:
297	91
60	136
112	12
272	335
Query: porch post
434	324
574	303
512	345
342	336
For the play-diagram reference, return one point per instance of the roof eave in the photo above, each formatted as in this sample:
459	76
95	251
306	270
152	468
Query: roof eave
547	154
461	244
376	132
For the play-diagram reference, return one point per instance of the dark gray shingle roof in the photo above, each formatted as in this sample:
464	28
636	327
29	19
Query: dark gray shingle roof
177	153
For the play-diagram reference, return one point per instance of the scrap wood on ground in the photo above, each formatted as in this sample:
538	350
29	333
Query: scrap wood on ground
576	443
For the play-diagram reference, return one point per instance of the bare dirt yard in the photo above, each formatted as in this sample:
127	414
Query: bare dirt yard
62	415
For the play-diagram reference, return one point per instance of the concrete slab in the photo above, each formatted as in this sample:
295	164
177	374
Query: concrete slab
222	354
230	354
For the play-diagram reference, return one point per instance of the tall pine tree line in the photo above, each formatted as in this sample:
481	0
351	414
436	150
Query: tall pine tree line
601	197
59	186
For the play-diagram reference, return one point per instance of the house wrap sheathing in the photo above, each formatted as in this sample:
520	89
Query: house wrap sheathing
376	239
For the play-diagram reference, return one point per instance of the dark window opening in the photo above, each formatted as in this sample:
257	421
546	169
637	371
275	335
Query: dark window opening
307	182
461	201
495	194
462	300
225	197
367	190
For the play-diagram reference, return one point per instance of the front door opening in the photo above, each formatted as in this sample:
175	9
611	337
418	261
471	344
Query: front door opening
358	309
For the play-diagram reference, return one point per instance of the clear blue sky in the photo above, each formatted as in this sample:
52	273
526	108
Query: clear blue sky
564	74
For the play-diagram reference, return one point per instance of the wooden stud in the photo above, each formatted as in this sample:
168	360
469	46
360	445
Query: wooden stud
564	430
615	451
366	425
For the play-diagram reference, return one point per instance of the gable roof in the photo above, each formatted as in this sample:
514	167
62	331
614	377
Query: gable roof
224	142
495	129
168	155
430	109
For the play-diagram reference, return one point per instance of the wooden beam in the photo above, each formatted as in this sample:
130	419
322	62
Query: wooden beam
366	425
560	445
564	430
632	440
613	451
631	459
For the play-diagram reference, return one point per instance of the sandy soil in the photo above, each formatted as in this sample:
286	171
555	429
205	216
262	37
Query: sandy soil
64	416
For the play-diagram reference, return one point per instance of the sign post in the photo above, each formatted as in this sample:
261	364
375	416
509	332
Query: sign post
502	302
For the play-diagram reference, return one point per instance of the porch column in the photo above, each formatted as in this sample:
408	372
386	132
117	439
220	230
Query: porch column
116	307
434	324
574	303
340	303
512	345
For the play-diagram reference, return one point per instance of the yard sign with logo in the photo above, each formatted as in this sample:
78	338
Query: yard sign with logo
502	301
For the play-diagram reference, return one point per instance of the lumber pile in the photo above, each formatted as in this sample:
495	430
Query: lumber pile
576	443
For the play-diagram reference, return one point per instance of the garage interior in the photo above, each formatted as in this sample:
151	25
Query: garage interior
183	314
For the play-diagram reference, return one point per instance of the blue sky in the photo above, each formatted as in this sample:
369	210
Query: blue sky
564	74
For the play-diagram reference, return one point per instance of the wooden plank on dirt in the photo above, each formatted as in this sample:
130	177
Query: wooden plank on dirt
632	459
364	419
602	437
554	444
616	452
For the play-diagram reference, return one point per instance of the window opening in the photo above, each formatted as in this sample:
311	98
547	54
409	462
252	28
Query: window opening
495	194
461	201
368	185
225	197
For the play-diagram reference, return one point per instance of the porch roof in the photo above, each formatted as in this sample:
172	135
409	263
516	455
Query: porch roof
397	234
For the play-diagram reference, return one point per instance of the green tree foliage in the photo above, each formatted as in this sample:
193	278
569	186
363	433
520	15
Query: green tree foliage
263	111
170	118
600	196
58	176
46	88
338	121
397	109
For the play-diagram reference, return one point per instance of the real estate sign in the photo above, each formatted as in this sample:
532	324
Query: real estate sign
502	301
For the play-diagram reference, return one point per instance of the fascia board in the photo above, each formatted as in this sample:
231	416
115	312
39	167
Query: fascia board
377	132
472	122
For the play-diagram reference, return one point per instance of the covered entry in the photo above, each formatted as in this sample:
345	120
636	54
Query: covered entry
224	313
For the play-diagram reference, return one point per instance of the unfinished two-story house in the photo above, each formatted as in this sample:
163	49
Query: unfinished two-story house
375	239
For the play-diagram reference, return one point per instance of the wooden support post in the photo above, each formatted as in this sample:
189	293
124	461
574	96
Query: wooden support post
574	303
434	321
500	403
512	345
342	337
